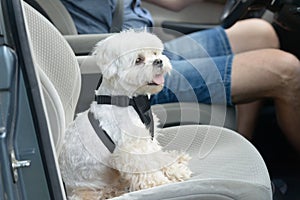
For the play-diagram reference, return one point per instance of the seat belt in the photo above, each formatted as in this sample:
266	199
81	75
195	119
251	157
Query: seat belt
103	136
117	19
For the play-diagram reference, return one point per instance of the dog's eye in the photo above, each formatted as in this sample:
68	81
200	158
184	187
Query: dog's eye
139	60
155	53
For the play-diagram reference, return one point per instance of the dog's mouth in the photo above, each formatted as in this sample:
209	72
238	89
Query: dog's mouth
157	80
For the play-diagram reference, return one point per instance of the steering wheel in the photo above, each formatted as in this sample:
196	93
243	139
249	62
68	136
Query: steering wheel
233	11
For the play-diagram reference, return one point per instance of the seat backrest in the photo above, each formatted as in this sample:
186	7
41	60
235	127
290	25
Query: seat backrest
58	71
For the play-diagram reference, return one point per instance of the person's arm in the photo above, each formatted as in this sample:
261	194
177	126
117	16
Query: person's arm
174	5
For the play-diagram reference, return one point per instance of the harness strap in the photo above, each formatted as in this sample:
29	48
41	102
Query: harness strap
103	136
141	104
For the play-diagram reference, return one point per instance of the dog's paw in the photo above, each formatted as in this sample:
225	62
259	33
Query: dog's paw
179	170
141	181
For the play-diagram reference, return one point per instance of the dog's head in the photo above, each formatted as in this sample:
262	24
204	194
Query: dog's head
132	63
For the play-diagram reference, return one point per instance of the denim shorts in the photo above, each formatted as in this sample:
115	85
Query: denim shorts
201	69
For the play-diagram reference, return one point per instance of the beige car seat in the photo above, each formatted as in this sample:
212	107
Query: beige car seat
224	164
59	73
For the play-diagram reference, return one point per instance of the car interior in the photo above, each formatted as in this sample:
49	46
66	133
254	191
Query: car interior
227	166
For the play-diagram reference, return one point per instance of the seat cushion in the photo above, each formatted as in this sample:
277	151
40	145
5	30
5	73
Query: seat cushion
224	166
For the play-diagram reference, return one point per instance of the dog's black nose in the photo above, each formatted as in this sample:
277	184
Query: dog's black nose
158	63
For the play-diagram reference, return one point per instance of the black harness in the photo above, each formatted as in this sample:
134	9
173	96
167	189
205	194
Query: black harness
141	104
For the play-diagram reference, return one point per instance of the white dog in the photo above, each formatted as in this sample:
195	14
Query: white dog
124	154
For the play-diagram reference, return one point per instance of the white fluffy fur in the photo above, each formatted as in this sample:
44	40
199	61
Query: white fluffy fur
127	62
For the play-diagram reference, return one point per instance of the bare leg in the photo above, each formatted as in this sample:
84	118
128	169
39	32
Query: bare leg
270	73
247	115
252	34
248	35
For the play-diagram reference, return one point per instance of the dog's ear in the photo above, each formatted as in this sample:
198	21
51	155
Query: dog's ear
105	58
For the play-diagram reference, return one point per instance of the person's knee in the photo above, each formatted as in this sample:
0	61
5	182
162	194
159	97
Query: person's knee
290	72
261	34
266	32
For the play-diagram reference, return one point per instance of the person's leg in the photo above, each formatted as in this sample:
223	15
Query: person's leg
202	44
248	35
262	36
245	35
247	115
270	73
251	34
205	80
201	69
